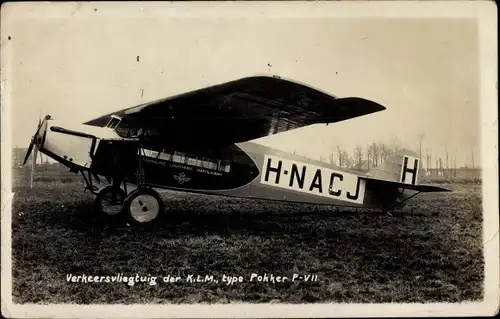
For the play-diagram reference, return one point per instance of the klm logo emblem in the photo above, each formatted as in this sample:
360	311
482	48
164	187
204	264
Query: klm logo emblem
181	178
312	179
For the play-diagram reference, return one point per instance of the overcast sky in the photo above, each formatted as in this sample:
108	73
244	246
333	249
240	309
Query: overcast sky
425	72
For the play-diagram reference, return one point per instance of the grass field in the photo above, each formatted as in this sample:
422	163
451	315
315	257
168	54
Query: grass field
430	252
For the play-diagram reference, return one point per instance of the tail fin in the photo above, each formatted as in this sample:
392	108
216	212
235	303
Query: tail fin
404	168
399	171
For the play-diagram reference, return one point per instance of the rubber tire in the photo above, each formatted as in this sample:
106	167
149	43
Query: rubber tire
133	195
104	192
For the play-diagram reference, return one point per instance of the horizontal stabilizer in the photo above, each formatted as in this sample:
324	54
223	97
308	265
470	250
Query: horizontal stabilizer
374	183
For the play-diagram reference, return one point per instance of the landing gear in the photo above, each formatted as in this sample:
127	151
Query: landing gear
109	200
143	206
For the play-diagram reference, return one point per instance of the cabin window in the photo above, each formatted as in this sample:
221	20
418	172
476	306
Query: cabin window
209	163
165	156
191	160
154	154
113	122
212	165
225	166
125	128
179	157
150	153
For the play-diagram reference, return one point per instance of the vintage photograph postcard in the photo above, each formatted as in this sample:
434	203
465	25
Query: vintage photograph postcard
249	159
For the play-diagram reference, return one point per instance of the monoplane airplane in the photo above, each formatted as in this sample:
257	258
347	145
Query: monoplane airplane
202	141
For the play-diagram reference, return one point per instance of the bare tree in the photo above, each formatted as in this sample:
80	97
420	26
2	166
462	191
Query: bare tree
368	156
375	153
420	137
454	166
429	159
447	162
358	156
346	161
472	151
382	152
340	156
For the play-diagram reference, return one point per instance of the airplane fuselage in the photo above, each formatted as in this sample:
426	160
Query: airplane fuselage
245	169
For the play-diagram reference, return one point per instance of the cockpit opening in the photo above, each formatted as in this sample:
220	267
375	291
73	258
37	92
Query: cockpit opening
128	129
113	122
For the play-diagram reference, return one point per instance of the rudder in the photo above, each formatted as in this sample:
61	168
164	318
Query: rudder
409	170
404	167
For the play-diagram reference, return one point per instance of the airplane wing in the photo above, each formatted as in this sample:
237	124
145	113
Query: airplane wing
239	111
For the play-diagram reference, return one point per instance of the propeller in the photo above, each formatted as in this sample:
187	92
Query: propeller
35	145
32	143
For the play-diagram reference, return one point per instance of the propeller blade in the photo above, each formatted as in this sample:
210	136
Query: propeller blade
33	141
30	148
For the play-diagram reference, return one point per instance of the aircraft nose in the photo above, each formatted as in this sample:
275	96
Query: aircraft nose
38	139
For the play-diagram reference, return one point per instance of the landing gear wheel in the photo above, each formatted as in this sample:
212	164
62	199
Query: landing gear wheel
109	201
143	206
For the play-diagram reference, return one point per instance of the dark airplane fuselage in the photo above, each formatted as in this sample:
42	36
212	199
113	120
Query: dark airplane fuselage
245	170
221	168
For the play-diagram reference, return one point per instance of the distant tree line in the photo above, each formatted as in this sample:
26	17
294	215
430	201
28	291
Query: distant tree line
372	155
365	157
